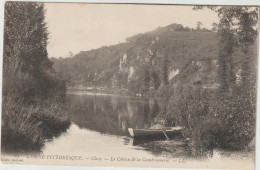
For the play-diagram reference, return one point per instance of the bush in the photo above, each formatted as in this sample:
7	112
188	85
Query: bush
190	109
238	117
211	120
165	91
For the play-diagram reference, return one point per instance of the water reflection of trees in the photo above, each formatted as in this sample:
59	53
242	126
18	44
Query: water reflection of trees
112	114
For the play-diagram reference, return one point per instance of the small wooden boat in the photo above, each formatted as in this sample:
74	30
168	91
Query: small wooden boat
167	131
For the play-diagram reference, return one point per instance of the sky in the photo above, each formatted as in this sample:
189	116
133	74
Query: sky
76	27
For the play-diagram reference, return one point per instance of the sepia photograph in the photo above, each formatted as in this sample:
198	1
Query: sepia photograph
129	85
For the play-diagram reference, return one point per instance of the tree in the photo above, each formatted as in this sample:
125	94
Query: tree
147	80
70	55
165	69
246	37
155	79
225	51
199	24
25	46
236	103
237	24
214	27
26	35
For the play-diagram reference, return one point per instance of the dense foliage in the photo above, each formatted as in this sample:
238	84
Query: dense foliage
225	117
25	41
29	115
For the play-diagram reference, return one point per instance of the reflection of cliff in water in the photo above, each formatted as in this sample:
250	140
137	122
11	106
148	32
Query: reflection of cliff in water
112	114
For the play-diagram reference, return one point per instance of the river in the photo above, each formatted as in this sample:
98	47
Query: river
99	134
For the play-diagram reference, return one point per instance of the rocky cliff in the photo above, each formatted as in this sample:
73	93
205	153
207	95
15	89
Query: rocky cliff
167	56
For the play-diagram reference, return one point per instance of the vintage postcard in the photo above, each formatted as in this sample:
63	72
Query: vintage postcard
129	85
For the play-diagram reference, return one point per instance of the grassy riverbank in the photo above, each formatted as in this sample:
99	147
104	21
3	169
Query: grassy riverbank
27	126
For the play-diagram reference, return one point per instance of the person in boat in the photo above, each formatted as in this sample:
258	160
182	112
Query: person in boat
159	123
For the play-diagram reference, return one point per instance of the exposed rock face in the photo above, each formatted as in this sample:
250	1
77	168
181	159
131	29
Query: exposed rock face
238	77
123	63
124	57
124	66
173	73
130	74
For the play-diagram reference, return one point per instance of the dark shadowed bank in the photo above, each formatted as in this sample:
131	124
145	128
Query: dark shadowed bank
32	94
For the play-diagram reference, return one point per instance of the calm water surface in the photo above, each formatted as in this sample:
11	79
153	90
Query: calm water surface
99	127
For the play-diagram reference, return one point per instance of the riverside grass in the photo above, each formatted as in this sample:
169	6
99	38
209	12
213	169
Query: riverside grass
27	127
